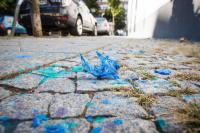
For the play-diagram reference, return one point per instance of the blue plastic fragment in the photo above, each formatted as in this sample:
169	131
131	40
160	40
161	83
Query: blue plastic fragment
38	119
96	130
55	129
89	118
163	71
118	122
107	68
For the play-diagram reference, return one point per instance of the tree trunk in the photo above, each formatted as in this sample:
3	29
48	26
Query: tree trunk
113	19
36	19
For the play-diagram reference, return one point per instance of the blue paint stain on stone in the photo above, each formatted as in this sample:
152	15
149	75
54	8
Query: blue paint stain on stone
163	71
105	102
96	130
89	118
38	119
90	104
4	118
23	56
118	122
55	129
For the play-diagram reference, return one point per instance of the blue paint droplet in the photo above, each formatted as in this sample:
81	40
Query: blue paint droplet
118	122
105	102
89	118
96	130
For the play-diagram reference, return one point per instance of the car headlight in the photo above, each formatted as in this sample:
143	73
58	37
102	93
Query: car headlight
66	2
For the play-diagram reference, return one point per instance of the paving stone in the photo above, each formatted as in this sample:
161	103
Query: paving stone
54	72
22	106
192	85
85	76
109	103
157	86
68	105
61	85
99	85
120	125
23	81
194	98
165	109
4	93
66	64
68	126
128	75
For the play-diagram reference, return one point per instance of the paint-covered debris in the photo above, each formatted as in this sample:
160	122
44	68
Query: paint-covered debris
4	93
107	68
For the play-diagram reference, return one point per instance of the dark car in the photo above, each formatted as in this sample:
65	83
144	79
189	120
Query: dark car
62	15
6	26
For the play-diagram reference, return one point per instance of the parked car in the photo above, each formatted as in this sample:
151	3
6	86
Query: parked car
63	15
6	26
103	26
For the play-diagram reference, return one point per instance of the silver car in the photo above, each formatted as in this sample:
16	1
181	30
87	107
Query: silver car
63	15
103	26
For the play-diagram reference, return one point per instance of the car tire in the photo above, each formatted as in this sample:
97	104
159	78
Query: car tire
78	30
95	31
8	32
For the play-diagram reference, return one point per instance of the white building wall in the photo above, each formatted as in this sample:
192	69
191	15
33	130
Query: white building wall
142	17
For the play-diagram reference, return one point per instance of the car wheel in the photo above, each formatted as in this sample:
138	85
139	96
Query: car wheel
78	30
95	31
8	32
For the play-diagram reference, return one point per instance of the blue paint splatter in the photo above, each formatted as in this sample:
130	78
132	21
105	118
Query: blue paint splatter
23	56
4	118
38	119
163	71
100	119
96	130
105	102
118	122
90	104
55	129
89	118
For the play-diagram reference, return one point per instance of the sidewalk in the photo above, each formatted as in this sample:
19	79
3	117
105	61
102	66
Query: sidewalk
141	101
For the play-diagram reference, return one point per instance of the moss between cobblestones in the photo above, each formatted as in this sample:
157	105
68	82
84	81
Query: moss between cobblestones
179	93
188	76
146	75
190	115
146	101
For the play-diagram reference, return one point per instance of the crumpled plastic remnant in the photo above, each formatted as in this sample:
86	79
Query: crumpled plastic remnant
107	68
163	71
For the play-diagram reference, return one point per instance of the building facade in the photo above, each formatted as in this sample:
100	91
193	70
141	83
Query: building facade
164	19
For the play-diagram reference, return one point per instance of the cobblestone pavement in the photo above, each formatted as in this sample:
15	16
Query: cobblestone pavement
142	101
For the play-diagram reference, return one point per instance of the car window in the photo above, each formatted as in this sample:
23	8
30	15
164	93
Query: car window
100	19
